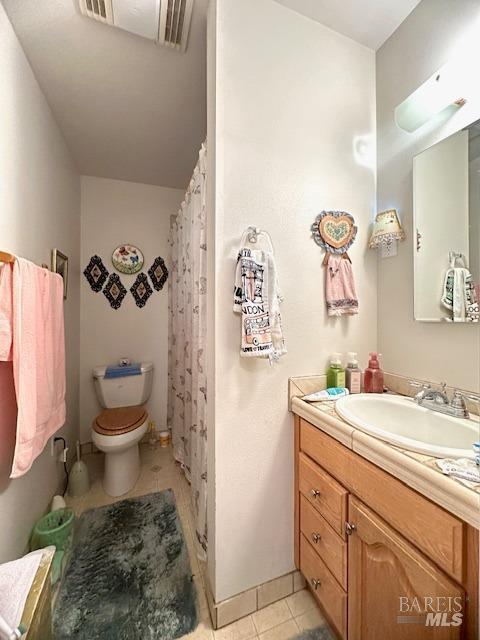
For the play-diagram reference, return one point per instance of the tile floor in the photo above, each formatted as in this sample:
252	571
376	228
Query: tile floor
280	621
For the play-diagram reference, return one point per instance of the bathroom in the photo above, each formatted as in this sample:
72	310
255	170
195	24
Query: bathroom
288	109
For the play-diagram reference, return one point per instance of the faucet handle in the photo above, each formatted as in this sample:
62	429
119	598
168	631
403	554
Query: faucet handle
458	402
458	398
443	386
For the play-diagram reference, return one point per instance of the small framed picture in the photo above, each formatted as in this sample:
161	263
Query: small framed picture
60	265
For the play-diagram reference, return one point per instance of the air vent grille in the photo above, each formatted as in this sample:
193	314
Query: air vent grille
165	21
100	10
175	17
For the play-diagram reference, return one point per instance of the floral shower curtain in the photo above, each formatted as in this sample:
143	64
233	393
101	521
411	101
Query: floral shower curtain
187	383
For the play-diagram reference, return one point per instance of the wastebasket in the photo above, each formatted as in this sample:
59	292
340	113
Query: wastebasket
53	529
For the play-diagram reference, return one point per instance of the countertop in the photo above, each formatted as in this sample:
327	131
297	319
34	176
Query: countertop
414	469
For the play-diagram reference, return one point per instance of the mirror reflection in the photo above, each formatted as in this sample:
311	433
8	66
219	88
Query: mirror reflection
446	192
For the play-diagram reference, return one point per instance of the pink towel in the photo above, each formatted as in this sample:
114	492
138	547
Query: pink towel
32	336
340	293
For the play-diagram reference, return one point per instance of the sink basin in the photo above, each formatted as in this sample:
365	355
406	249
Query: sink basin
402	422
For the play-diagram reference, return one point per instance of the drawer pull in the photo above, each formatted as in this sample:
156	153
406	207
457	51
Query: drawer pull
315	583
315	493
316	537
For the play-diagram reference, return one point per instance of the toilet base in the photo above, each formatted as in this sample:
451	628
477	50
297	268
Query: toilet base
122	470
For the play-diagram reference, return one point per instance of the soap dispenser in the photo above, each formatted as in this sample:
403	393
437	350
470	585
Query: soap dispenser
353	374
335	372
373	378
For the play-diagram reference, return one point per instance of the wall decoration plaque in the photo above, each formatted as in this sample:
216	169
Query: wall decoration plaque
114	291
334	231
141	290
96	273
127	259
158	273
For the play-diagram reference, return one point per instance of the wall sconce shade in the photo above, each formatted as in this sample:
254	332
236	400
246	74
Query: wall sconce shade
386	229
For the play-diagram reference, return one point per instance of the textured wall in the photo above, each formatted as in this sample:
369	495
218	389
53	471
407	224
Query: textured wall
113	212
39	210
294	101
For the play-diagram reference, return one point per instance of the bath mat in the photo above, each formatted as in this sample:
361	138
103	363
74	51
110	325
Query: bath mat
129	574
320	633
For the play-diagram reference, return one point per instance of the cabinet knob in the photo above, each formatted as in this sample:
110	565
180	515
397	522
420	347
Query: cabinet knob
315	493
316	537
315	583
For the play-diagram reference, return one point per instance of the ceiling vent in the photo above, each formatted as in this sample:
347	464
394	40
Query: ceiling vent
164	21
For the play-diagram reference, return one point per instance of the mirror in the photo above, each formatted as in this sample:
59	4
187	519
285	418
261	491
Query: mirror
446	201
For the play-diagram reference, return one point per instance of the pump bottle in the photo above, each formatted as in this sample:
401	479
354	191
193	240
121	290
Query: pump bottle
373	378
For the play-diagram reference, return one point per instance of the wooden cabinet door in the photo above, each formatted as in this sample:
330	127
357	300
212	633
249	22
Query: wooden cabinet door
383	568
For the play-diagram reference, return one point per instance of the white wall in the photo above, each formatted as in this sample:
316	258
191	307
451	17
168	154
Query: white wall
39	210
427	39
114	212
293	100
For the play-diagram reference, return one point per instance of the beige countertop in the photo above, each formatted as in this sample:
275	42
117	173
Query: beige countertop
414	469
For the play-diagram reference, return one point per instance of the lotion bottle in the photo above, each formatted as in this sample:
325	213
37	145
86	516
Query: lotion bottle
353	374
373	379
335	372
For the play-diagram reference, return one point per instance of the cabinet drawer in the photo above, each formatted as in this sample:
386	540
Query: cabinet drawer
328	592
329	546
436	532
323	492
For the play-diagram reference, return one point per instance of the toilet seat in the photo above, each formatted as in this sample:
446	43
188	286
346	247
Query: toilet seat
114	422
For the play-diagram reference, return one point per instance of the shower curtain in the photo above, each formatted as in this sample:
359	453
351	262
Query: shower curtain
187	383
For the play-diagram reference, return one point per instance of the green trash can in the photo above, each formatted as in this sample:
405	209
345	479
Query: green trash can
53	529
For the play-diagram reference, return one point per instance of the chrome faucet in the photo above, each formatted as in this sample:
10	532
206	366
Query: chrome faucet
437	400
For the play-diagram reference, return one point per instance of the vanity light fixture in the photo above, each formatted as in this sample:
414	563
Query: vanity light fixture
387	230
438	94
447	90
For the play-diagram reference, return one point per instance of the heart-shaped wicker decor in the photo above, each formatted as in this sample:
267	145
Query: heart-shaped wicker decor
334	231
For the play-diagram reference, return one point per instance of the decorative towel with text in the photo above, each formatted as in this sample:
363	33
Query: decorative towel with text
257	298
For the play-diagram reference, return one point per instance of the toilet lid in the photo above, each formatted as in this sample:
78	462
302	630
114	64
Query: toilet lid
112	422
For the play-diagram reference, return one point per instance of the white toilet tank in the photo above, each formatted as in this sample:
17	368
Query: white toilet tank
126	391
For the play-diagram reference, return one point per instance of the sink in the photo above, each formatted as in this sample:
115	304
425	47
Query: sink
402	422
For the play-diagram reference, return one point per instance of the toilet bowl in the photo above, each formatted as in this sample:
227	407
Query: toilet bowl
117	433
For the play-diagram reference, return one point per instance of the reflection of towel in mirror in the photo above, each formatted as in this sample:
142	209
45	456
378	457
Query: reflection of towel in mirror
257	298
459	295
340	293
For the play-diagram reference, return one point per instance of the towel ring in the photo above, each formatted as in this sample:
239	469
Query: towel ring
251	235
453	256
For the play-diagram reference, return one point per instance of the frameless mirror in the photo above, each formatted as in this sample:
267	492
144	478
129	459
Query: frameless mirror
446	201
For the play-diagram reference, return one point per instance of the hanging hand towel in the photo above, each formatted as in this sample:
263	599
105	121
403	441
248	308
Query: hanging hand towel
459	295
340	293
32	336
257	298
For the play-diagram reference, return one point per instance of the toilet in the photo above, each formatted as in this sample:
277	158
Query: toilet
118	429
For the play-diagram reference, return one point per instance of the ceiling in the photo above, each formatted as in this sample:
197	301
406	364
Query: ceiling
369	22
129	109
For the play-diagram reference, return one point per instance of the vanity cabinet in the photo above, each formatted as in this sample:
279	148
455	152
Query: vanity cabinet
363	539
383	565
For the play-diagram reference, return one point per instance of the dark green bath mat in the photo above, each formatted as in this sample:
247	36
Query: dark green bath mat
129	575
321	633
